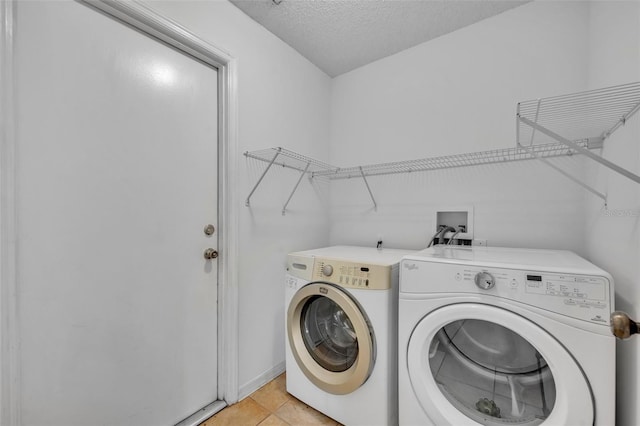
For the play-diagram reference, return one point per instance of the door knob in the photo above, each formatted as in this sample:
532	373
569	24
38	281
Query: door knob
622	326
210	253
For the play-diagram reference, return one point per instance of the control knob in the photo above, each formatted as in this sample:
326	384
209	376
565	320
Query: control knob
485	280
327	270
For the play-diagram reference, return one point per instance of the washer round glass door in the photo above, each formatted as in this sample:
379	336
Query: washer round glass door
475	364
330	337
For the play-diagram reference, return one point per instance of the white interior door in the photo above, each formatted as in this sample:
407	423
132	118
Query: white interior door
117	178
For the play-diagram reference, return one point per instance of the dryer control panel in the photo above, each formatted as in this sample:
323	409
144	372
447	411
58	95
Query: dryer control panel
584	297
572	287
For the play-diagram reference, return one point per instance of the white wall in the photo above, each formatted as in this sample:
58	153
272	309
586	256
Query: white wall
613	236
283	101
456	94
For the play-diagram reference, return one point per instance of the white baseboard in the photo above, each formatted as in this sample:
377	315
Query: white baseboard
255	384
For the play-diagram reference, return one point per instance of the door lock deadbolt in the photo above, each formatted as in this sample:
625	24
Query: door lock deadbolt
209	230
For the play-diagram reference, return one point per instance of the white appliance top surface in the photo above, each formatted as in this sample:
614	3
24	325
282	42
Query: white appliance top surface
557	281
513	258
370	255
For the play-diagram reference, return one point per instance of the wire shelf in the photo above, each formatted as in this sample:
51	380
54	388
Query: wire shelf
588	116
451	161
293	160
547	127
318	169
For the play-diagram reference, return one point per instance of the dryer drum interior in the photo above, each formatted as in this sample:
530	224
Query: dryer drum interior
491	374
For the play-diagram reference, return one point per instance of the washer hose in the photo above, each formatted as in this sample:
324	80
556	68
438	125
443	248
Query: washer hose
444	231
440	234
435	236
450	243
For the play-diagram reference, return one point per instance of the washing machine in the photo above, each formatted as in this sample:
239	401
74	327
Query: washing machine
341	322
502	336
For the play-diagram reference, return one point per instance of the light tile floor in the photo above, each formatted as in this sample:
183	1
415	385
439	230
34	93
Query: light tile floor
270	405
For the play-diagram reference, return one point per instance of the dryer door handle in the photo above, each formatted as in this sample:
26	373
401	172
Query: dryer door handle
622	326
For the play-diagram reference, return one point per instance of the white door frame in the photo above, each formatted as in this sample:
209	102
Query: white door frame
148	21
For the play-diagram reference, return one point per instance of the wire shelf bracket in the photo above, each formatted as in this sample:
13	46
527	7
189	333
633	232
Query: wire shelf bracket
364	178
248	201
568	175
288	159
581	122
304	172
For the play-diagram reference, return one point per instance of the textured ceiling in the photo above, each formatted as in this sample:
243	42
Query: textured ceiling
341	35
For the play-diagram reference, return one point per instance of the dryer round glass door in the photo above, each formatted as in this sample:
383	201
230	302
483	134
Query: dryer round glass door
479	364
330	337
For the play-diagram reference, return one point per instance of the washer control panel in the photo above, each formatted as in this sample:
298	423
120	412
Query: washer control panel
584	297
352	274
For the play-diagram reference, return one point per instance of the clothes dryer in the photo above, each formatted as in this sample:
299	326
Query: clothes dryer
500	336
341	342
